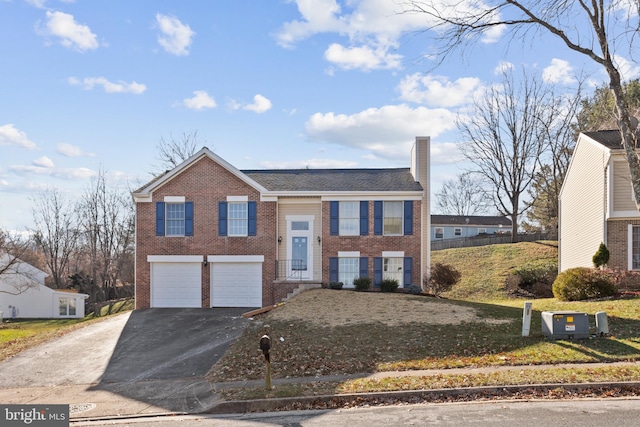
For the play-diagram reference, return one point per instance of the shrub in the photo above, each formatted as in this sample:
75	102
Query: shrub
601	257
532	280
362	283
335	285
389	285
581	283
414	289
443	278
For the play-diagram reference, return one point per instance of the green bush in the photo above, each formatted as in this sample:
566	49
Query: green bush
532	280
335	285
414	289
601	257
443	278
581	283
389	285
362	283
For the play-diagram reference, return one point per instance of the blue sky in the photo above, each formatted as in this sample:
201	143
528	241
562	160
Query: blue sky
96	84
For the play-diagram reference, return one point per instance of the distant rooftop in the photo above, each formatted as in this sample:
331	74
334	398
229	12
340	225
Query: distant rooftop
335	179
473	220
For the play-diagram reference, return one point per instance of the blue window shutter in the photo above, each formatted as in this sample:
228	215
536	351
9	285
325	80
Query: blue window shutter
188	218
377	271
408	272
334	218
333	269
222	218
159	218
377	218
364	267
408	217
364	218
253	218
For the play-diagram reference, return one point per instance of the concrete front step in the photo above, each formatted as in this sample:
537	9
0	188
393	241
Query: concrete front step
301	288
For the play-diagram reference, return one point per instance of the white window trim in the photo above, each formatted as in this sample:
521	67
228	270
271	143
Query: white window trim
482	231
457	231
352	254
237	198
435	232
174	199
175	258
392	254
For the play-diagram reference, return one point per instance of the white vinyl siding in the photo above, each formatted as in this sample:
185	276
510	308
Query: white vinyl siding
622	190
583	205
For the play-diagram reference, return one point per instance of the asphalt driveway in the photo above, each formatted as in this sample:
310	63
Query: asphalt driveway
156	357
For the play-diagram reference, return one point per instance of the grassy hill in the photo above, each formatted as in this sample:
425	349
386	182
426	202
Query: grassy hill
485	268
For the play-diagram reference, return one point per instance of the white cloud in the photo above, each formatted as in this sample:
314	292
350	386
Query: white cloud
444	153
175	37
199	101
43	162
69	150
560	71
318	16
387	132
310	163
628	70
364	58
62	173
9	135
72	35
503	67
260	104
89	83
40	4
438	90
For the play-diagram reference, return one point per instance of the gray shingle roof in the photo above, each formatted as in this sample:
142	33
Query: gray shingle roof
609	138
335	179
473	220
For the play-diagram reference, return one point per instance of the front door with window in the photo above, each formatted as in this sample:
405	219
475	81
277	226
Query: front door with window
299	250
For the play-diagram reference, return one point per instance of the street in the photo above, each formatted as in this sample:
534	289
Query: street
583	413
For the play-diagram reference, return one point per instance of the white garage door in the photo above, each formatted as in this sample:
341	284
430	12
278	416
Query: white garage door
236	284
176	284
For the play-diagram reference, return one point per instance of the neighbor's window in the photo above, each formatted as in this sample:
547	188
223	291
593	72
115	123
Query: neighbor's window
348	269
392	269
457	231
392	218
67	306
349	219
175	219
482	231
238	218
439	232
635	248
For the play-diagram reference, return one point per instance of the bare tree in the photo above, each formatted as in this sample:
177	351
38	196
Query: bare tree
504	140
463	196
172	152
14	273
56	233
107	233
593	28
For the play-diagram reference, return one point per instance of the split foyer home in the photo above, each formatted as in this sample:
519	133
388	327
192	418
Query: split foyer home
210	235
597	205
463	226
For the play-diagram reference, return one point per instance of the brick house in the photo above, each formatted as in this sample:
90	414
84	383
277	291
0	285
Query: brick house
210	235
597	205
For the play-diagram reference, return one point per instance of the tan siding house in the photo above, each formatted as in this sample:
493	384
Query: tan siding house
596	204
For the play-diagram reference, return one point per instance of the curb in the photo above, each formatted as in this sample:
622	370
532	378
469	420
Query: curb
340	400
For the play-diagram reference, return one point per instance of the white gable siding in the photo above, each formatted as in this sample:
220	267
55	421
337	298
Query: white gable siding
583	205
623	204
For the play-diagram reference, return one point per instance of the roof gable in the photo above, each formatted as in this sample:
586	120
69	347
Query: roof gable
143	194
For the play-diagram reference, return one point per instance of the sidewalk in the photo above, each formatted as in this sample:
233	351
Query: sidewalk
184	396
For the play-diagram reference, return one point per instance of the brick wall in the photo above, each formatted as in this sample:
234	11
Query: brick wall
205	183
617	242
371	246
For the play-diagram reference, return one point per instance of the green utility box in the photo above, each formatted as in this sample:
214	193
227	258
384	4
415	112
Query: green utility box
565	325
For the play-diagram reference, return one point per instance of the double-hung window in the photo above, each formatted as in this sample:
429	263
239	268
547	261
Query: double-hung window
175	219
635	247
348	270
457	231
392	269
439	232
349	218
392	224
238	218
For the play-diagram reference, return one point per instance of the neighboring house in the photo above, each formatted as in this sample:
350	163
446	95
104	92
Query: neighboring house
210	235
597	205
23	294
463	226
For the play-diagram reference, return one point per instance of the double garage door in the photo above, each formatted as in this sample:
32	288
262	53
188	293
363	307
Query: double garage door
235	281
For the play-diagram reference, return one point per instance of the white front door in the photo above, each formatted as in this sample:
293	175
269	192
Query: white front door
300	247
